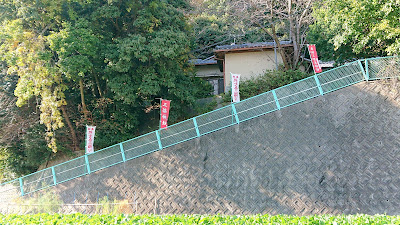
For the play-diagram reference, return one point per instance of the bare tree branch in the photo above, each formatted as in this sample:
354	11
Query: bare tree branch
267	14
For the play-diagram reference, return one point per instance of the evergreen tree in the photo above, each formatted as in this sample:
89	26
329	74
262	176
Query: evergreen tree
100	63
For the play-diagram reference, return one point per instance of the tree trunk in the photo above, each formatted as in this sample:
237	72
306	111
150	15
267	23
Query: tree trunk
276	39
293	36
281	50
84	108
98	85
96	78
278	44
71	128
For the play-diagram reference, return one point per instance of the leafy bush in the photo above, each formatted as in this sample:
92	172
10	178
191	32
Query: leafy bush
26	154
4	170
113	208
46	203
270	80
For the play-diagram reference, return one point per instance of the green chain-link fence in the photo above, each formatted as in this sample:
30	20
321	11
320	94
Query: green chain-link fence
311	87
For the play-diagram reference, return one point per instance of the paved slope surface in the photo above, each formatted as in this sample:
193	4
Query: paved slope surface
339	153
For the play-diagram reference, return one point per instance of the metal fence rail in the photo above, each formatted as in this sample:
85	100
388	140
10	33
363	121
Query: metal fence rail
311	87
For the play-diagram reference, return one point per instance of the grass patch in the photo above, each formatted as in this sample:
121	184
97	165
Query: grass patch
195	219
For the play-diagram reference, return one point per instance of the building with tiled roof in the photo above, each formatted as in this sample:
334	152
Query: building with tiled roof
209	70
249	60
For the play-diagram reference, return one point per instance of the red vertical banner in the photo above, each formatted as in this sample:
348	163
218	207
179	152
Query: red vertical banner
314	58
165	105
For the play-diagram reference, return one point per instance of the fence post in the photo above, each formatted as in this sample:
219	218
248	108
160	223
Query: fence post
87	164
159	140
122	152
54	175
276	100
196	127
362	70
321	92
21	186
367	69
235	113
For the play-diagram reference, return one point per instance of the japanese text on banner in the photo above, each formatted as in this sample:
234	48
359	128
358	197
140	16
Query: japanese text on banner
235	87
314	58
165	104
90	131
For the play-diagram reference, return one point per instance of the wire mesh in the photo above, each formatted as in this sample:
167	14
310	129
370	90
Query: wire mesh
215	120
140	146
9	190
341	77
88	208
105	158
380	68
297	92
70	169
37	181
255	106
178	133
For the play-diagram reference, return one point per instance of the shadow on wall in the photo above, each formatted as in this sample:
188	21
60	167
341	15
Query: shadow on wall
331	155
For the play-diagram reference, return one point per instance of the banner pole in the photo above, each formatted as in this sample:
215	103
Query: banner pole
86	139
311	59
159	127
231	87
232	93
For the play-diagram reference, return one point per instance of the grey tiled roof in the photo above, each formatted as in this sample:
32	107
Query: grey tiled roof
209	61
249	45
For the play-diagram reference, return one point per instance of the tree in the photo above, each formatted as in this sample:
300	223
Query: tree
25	54
102	63
76	46
149	58
357	29
294	15
22	139
213	25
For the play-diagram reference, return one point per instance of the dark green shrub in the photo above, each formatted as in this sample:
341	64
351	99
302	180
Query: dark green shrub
270	80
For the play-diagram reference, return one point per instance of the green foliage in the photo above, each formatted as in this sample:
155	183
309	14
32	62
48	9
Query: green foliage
4	170
210	30
22	139
114	208
26	55
270	80
48	203
213	26
29	152
75	45
78	218
101	63
205	105
104	207
356	29
154	62
115	121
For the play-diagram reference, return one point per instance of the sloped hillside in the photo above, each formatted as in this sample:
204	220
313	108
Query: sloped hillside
338	153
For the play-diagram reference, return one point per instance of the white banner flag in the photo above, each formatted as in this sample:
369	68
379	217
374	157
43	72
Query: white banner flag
90	130
235	87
